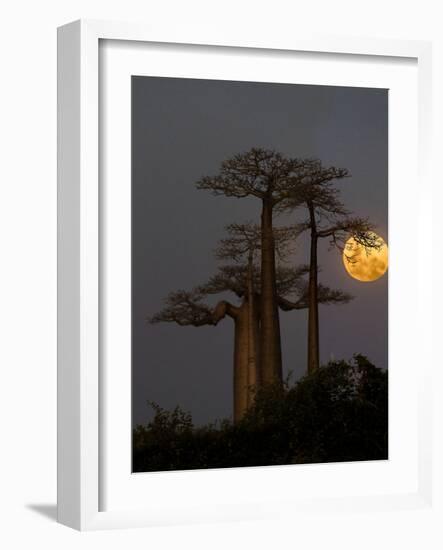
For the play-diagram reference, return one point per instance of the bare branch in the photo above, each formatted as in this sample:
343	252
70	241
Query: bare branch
244	241
313	183
186	308
326	296
229	278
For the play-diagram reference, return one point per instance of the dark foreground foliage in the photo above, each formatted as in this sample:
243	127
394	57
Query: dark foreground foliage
339	413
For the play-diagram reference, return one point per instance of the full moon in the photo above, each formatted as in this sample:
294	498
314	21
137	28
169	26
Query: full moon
365	264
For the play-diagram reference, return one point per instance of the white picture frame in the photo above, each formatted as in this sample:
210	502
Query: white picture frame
80	444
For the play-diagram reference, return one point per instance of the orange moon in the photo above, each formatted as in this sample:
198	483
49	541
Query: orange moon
365	264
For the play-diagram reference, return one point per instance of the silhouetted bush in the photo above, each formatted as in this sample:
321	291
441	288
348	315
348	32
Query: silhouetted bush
339	413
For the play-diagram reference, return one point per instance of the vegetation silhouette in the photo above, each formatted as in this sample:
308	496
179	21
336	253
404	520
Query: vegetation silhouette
337	413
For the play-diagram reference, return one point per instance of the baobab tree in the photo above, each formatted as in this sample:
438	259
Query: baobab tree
327	218
190	309
267	176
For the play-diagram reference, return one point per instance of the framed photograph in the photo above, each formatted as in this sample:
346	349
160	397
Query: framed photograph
243	304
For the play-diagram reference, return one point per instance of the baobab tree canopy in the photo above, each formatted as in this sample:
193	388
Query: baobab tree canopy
318	193
261	173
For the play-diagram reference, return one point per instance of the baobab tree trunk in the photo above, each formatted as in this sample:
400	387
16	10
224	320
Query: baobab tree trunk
241	353
240	316
270	351
313	323
253	336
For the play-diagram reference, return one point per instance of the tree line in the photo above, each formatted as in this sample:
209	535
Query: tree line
254	262
338	413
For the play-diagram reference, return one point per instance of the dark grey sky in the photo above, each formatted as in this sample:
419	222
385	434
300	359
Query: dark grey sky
181	130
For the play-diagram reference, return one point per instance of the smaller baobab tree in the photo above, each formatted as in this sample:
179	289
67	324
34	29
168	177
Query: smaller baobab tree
327	219
190	308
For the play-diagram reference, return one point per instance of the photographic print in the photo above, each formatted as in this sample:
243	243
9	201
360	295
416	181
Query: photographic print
259	274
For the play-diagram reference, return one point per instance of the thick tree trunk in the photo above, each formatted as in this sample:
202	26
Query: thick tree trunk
253	336
241	376
270	345
241	366
313	324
